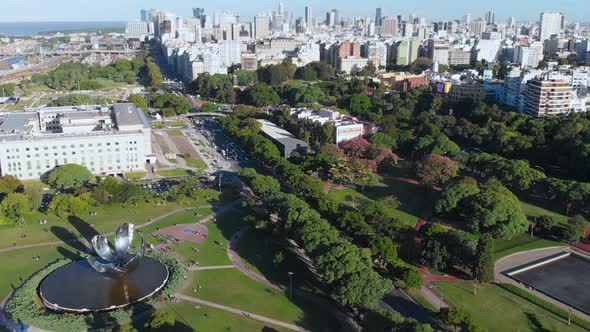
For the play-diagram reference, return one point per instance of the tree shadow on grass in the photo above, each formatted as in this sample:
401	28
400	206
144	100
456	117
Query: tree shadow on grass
268	329
409	309
535	324
69	238
73	256
83	228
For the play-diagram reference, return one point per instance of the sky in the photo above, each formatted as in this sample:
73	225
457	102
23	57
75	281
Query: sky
127	10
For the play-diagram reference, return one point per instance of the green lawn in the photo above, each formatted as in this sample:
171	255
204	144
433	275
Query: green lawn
175	124
257	250
107	218
523	242
534	211
16	266
499	310
211	252
175	133
134	176
173	172
230	287
196	163
216	320
414	199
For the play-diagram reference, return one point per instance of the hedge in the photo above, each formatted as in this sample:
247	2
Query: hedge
546	305
26	307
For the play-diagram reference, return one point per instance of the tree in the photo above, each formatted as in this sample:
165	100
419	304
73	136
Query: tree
14	206
437	169
359	104
355	148
10	184
434	254
34	193
384	249
63	205
483	266
69	177
411	277
495	209
362	289
454	194
245	78
160	320
139	101
383	140
260	95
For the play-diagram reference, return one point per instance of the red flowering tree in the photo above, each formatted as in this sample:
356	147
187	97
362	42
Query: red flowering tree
437	169
356	148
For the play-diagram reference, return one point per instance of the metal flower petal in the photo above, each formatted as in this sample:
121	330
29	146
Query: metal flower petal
101	247
120	261
123	238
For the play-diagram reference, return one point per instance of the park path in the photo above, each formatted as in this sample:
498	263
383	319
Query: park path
240	312
215	267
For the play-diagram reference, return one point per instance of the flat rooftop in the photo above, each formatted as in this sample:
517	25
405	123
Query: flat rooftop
129	115
282	136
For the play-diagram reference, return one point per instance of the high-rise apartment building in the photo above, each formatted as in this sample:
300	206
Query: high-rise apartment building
438	51
548	96
550	24
389	28
261	26
308	17
477	27
406	51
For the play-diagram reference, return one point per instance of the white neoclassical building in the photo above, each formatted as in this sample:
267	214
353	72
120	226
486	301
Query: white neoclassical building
107	140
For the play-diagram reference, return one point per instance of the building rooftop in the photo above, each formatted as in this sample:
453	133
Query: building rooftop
281	136
129	115
15	122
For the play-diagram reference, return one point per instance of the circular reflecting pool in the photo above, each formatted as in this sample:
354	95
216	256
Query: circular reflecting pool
77	287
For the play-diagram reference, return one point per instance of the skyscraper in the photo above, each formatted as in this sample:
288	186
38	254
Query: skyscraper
491	17
261	26
198	12
144	15
379	17
308	17
550	24
466	19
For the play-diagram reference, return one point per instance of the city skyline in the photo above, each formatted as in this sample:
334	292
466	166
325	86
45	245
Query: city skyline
111	10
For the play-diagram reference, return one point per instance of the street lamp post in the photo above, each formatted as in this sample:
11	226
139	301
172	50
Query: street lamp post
291	285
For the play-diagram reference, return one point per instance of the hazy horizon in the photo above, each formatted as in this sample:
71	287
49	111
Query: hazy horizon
17	11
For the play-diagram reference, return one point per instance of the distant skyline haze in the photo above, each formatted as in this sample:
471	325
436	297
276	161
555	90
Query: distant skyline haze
128	10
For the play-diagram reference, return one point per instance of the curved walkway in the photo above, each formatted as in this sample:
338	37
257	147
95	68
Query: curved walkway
240	312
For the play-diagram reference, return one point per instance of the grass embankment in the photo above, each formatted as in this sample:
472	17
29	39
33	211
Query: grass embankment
498	309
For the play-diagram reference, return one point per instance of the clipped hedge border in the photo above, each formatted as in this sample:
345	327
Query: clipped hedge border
552	308
25	306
